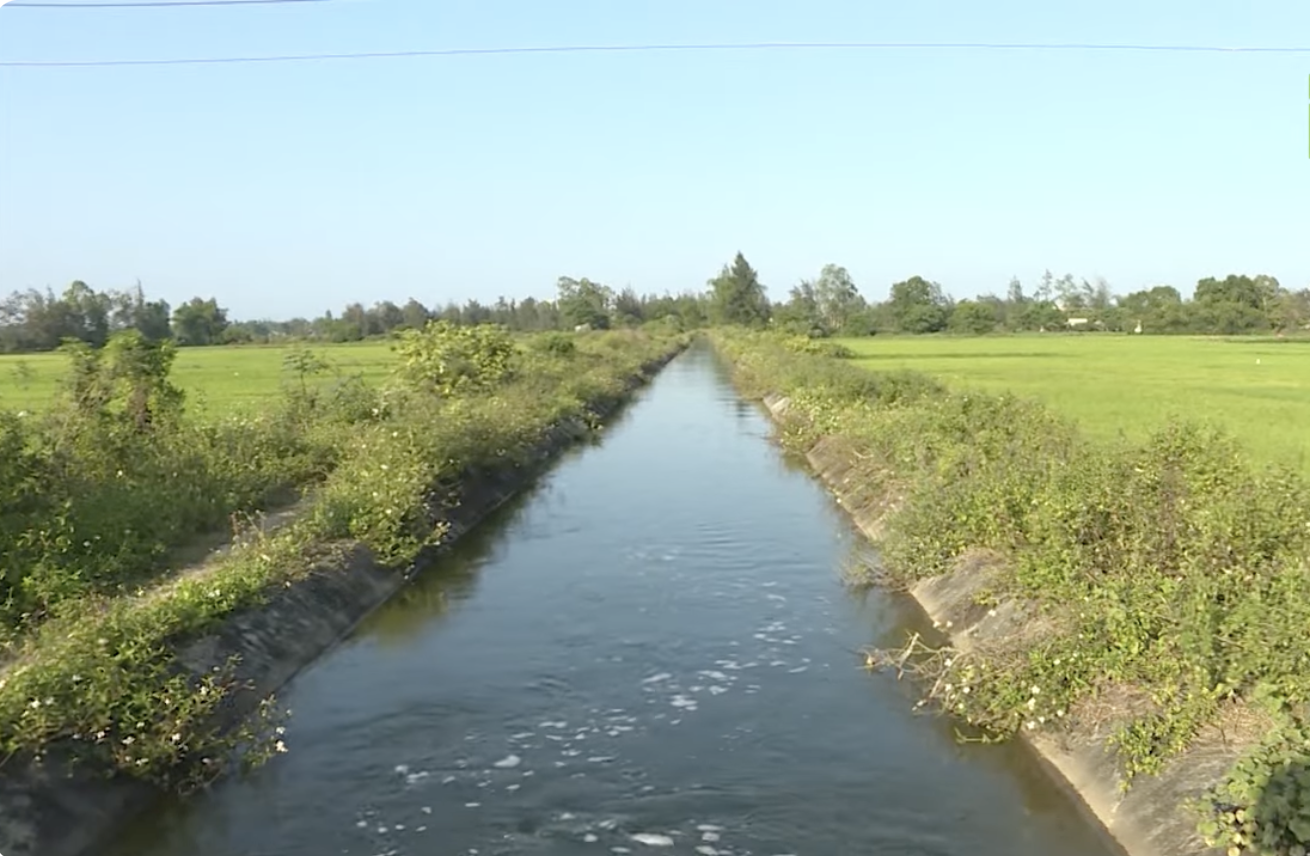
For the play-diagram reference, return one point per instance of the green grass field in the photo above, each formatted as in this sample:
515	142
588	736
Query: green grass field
1256	388
223	377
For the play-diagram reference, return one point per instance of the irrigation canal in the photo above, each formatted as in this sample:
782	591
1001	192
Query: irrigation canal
651	650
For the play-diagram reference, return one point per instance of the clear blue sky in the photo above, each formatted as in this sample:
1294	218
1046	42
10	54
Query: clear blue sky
294	188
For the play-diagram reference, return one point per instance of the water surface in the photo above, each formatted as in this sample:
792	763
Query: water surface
652	651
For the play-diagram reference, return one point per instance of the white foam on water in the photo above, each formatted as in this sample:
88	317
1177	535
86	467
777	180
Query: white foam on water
655	679
706	850
402	769
522	735
710	673
718	690
415	778
651	839
447	780
590	838
509	762
512	788
708	827
798	670
710	836
472	805
549	724
600	759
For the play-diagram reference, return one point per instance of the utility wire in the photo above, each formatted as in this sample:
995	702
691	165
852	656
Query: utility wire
747	46
147	4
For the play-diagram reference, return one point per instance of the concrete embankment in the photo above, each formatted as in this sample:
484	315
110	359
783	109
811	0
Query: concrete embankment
47	809
1150	818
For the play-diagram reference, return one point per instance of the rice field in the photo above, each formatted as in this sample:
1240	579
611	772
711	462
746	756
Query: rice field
1258	389
214	378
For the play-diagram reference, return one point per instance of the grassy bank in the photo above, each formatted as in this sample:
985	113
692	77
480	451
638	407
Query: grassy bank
1110	385
1167	579
101	489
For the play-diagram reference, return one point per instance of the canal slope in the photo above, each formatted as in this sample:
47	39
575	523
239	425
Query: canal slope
651	648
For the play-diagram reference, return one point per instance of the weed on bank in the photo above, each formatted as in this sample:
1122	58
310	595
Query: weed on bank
98	493
1169	579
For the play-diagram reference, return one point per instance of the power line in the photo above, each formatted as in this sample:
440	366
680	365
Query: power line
747	46
151	4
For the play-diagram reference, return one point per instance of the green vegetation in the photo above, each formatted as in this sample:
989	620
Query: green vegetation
217	380
100	488
1168	578
1256	388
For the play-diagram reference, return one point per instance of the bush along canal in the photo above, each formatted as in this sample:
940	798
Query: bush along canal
652	650
1137	613
110	692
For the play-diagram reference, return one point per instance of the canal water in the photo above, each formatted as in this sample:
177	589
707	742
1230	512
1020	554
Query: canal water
651	652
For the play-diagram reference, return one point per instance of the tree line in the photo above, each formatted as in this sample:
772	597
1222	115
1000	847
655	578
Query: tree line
829	304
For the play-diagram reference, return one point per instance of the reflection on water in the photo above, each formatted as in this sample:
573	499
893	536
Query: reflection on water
652	649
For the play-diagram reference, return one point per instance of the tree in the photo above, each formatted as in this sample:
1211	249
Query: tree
199	322
975	317
737	297
88	313
836	298
1159	309
628	309
582	301
917	306
800	314
1291	310
414	315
